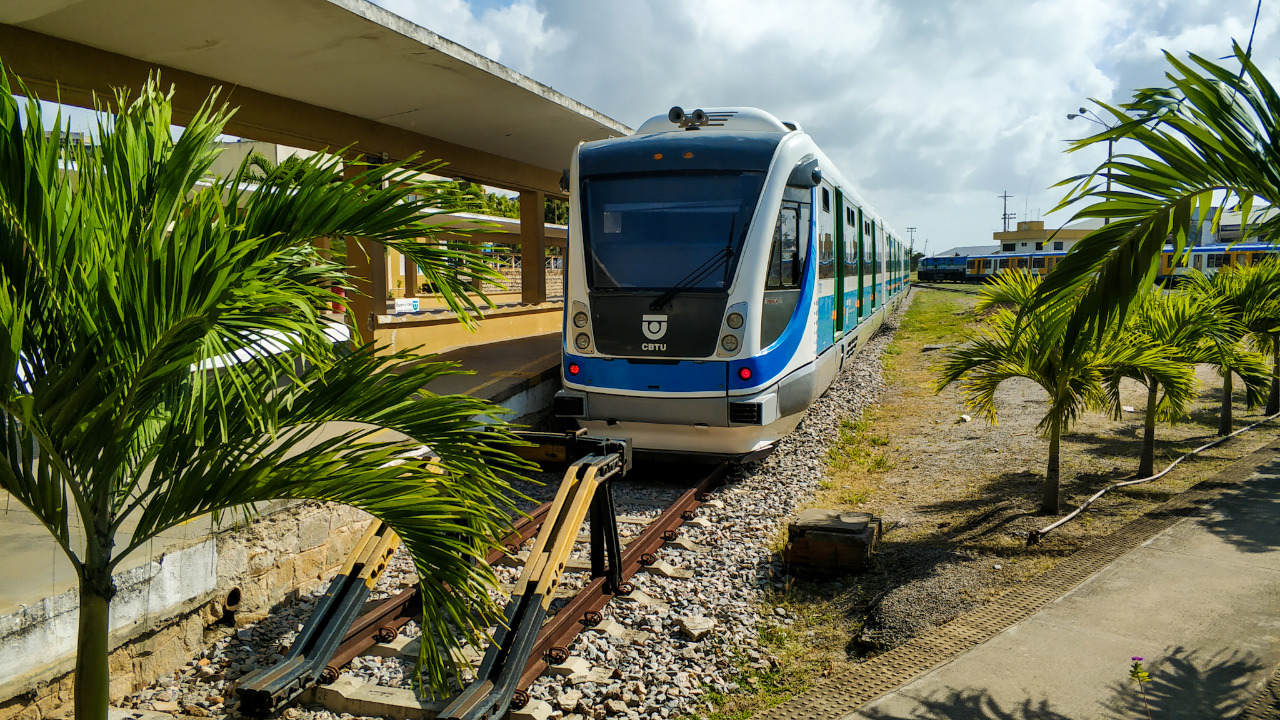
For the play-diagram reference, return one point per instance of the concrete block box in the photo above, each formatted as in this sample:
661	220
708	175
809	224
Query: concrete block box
830	542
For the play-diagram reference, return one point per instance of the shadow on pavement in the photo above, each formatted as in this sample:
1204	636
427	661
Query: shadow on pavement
972	704
1188	684
1245	516
1184	684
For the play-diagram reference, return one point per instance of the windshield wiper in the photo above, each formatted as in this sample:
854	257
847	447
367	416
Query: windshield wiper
698	274
694	277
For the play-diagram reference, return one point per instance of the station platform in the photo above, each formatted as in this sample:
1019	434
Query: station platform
37	589
522	374
1192	588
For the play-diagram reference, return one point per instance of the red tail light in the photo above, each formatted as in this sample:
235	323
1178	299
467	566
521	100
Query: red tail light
574	369
745	373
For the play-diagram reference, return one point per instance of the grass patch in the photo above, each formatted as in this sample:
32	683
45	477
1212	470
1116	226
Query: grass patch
863	454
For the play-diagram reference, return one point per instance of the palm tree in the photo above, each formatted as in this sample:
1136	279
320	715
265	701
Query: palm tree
1183	328
169	359
1214	134
1235	296
1253	294
1027	342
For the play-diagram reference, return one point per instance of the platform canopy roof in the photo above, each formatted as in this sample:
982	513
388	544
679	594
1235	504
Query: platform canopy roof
313	74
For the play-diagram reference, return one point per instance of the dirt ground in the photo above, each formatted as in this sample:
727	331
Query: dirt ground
958	500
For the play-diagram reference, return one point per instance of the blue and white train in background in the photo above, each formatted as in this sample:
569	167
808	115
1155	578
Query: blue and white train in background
1204	259
721	271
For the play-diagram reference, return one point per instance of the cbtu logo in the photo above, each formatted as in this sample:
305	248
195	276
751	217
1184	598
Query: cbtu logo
653	326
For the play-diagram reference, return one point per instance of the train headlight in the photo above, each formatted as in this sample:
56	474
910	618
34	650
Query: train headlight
582	341
734	321
580	320
729	343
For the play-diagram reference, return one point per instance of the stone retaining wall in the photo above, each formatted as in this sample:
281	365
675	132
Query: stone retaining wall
294	549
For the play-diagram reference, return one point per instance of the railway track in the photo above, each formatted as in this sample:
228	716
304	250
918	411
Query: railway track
958	288
381	621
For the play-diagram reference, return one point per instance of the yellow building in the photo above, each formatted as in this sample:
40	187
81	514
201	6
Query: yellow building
1031	235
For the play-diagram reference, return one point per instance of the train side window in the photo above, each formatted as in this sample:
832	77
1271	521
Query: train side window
784	256
786	269
826	256
826	200
851	247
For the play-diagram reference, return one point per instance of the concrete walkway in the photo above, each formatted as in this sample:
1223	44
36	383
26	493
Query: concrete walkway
1199	600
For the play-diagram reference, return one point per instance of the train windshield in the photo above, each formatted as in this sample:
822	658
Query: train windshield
659	232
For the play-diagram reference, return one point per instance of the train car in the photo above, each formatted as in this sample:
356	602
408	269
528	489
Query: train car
721	271
941	269
1208	259
980	267
1203	259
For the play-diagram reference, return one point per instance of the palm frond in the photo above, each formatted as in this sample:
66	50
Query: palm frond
1210	135
168	355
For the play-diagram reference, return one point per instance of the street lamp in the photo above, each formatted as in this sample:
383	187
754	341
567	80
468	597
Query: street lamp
1092	117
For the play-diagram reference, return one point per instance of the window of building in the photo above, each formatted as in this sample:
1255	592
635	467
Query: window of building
1037	262
1057	245
1008	247
1039	246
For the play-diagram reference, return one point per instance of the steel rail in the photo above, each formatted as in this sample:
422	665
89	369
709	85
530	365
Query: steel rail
382	622
583	610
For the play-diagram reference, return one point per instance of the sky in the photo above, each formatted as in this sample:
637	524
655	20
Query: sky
932	107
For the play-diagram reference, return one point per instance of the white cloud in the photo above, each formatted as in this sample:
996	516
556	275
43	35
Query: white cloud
932	106
514	34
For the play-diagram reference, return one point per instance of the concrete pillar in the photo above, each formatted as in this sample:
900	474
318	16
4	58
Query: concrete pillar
533	244
368	262
410	278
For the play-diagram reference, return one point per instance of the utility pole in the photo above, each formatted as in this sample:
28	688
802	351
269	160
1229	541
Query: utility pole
1005	215
911	253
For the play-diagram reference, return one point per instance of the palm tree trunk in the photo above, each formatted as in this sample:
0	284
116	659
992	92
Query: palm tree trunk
1049	490
1146	466
1224	418
1273	399
92	680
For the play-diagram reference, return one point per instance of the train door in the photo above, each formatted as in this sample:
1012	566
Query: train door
879	264
888	271
840	263
827	275
850	267
875	258
785	276
863	236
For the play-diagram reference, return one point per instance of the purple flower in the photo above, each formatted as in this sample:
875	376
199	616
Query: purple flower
1135	658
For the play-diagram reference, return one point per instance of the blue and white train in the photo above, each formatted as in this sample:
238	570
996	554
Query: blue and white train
721	271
